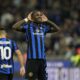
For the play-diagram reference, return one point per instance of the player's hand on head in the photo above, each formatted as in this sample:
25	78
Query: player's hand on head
29	16
22	71
44	18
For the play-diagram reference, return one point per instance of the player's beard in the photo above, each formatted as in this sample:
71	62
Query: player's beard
38	20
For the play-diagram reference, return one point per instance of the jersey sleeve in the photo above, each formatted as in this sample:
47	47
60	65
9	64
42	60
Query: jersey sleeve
47	28
24	27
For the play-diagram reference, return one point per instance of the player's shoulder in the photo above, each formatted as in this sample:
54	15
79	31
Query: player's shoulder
44	25
26	25
10	40
29	22
7	39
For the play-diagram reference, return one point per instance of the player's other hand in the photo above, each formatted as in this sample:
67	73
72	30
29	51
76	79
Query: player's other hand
22	71
44	18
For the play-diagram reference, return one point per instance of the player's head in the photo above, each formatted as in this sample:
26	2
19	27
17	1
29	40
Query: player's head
3	33
37	16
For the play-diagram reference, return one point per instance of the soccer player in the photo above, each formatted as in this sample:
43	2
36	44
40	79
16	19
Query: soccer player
35	26
7	49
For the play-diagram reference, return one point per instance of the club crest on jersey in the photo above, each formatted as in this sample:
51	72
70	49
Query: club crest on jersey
41	28
37	30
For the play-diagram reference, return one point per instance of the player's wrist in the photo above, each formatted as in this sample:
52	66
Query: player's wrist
22	65
26	19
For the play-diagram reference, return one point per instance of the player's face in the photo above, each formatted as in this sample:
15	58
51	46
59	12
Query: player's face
38	16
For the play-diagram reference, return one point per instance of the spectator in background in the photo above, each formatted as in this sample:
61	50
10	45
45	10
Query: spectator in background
48	45
69	51
76	28
74	15
31	4
17	3
56	47
76	57
6	19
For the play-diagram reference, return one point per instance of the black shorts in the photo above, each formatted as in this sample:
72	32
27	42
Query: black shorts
6	76
36	70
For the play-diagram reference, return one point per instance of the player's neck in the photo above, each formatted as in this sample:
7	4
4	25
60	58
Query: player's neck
2	36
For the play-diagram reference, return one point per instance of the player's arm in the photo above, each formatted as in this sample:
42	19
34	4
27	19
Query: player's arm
53	26
20	58
17	26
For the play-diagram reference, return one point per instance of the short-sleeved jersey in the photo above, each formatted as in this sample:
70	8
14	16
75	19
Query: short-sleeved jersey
7	49
35	35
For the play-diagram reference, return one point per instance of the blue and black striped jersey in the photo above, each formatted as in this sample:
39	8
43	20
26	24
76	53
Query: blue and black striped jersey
35	35
7	48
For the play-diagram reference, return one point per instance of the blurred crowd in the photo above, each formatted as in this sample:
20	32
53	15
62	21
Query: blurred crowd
65	13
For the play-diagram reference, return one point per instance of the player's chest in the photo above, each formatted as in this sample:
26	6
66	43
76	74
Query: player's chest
36	31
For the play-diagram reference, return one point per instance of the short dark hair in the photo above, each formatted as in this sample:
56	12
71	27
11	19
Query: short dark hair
35	11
